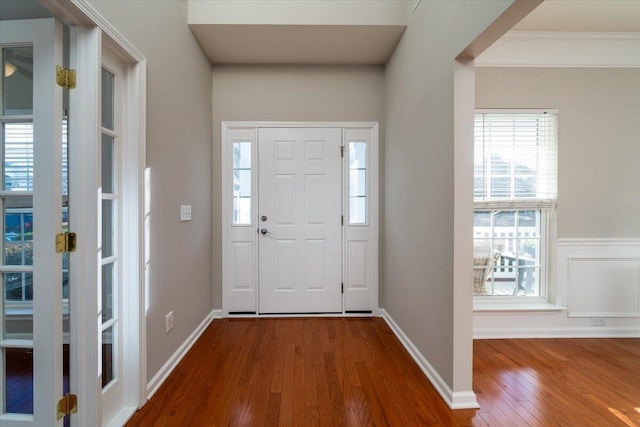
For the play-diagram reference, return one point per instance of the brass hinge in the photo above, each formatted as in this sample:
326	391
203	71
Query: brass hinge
67	405
65	77
65	242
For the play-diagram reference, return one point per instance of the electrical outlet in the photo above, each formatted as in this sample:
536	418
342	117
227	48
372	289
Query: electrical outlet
185	212
168	321
598	321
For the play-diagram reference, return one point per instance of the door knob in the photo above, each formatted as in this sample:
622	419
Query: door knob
264	231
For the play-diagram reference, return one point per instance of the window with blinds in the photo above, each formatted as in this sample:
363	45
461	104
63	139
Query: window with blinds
515	159
515	188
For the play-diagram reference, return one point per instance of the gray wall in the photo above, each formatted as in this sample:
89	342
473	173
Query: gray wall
288	93
179	155
417	260
599	140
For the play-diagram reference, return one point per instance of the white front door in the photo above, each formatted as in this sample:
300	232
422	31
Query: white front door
299	220
33	315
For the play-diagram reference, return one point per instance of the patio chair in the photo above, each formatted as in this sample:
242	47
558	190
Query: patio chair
483	263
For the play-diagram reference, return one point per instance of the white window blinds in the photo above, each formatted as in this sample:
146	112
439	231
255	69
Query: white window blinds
515	159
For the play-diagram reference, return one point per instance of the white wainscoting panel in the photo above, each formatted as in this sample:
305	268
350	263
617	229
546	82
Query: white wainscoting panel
601	277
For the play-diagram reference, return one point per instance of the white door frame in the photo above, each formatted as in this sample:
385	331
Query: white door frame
359	242
89	31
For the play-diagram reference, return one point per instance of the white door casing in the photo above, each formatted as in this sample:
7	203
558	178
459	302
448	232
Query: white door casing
275	189
299	219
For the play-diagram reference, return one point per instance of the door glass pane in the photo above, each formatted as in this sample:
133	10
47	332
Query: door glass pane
17	81
241	183
18	380
108	340
107	228
107	292
107	164
17	156
18	294
18	231
107	99
358	183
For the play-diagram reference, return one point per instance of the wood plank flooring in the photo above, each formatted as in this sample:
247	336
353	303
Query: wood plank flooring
354	372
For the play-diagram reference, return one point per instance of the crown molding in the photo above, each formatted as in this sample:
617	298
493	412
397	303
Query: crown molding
563	49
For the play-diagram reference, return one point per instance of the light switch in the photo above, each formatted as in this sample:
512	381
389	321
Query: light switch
185	212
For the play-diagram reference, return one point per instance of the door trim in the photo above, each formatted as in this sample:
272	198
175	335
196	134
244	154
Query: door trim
248	131
89	31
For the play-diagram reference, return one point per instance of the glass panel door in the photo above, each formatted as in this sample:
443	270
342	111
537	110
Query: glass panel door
31	273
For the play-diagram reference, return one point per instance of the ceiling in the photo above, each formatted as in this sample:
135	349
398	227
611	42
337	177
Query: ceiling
583	16
298	44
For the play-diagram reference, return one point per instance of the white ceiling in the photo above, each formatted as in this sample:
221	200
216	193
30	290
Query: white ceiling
298	44
583	16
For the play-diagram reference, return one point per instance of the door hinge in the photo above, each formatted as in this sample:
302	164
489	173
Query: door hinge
341	219
65	242
342	151
67	405
65	77
342	288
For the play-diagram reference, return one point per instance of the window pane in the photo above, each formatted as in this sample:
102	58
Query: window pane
107	292
481	219
18	156
18	380
357	155
528	218
357	210
242	176
242	155
513	241
107	99
500	187
108	340
17	81
107	165
505	219
358	183
525	187
107	228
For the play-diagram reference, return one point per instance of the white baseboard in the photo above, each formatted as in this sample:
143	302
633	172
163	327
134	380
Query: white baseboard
577	332
164	372
455	400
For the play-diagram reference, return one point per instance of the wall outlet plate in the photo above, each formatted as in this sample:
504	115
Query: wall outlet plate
598	321
168	321
185	212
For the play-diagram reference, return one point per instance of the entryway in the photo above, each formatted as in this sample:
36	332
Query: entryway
300	218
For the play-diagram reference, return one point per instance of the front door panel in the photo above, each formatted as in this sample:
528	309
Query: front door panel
299	220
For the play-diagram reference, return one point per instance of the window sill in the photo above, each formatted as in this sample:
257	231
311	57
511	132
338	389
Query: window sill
515	306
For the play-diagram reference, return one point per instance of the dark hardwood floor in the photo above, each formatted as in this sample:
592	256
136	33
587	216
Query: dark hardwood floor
348	371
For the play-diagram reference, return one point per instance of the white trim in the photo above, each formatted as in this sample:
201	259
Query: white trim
561	332
227	128
455	400
161	376
598	242
249	124
123	416
374	313
485	305
563	49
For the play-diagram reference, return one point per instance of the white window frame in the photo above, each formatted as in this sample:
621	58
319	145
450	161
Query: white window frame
547	227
